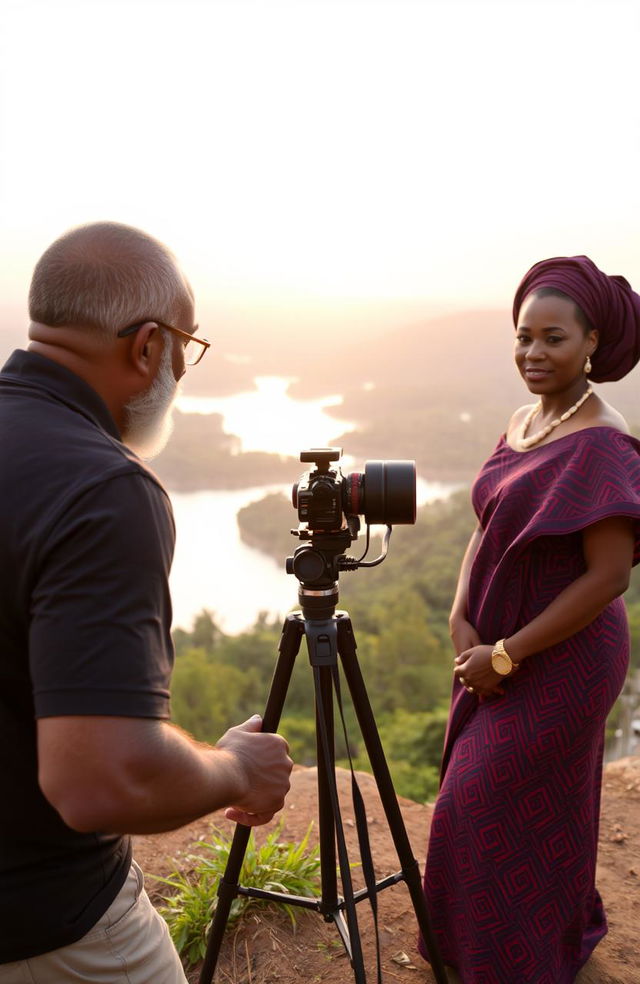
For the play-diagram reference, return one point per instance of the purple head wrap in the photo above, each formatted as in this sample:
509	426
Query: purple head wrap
608	302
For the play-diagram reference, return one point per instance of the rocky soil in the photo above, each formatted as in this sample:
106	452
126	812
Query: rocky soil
265	950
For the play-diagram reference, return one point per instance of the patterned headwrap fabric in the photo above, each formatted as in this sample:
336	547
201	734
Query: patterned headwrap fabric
608	302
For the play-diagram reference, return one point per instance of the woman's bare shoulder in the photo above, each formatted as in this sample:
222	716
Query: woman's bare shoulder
604	415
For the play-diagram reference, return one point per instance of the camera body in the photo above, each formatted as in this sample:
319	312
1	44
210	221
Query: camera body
328	501
318	495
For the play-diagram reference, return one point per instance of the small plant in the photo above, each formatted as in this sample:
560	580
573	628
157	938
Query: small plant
274	867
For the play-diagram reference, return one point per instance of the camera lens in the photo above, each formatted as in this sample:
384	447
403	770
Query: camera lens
389	492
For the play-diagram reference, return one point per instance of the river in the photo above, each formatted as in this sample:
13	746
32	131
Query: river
268	419
212	567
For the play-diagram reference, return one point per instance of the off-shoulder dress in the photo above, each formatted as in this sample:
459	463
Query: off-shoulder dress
510	873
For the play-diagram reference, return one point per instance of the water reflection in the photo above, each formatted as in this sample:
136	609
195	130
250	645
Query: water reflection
267	419
214	569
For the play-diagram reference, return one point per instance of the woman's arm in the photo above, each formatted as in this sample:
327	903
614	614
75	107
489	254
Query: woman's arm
463	634
608	551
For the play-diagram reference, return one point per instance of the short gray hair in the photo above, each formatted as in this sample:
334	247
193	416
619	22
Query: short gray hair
107	276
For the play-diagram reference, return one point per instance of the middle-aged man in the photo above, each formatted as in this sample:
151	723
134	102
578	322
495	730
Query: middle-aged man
87	752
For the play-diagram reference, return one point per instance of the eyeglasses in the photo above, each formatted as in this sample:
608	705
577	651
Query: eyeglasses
194	348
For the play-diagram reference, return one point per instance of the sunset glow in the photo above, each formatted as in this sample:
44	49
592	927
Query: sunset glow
300	151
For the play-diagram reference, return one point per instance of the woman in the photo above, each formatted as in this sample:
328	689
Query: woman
542	645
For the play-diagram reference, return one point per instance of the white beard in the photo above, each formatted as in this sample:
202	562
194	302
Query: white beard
148	417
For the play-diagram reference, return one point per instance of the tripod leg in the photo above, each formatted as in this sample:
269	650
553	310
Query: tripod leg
380	769
288	647
321	636
326	820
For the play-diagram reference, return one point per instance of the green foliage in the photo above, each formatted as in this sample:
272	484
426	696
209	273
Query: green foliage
633	593
205	634
632	599
412	744
419	783
276	866
414	737
273	537
208	697
223	680
300	732
634	631
402	659
613	722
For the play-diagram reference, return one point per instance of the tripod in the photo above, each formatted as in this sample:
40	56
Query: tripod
329	635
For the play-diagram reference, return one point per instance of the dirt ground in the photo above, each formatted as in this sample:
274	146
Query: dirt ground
265	950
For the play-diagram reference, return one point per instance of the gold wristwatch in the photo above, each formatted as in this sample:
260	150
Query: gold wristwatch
500	659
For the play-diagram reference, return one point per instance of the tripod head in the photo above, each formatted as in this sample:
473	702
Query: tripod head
329	507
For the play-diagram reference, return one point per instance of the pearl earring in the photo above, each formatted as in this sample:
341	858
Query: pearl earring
587	366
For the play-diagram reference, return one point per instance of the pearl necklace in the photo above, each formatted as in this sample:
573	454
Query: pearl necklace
528	442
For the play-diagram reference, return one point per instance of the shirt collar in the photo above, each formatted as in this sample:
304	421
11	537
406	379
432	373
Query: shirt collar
35	371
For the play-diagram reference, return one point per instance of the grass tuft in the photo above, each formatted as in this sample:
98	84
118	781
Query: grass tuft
276	866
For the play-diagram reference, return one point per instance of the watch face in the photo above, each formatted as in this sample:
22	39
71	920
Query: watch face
501	663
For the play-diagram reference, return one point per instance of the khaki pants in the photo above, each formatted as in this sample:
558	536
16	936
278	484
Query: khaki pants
130	944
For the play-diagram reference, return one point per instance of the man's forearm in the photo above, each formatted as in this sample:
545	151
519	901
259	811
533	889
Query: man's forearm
139	775
181	781
133	775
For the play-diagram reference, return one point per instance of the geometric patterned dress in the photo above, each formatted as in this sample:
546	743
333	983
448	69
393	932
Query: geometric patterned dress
510	872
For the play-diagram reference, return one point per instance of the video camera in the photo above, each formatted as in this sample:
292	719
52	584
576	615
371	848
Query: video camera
330	504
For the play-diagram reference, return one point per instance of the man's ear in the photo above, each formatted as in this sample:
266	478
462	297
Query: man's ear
146	348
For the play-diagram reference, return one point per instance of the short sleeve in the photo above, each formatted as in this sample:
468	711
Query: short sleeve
100	619
597	476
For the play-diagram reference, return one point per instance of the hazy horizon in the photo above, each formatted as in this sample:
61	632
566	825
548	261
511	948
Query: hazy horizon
296	332
322	166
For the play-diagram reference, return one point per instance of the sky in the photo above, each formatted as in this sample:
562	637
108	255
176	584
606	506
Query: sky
329	161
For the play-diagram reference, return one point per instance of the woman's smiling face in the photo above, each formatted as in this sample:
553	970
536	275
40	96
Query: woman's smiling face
552	344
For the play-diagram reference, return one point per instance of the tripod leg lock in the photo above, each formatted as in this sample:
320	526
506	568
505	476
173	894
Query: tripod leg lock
322	642
227	891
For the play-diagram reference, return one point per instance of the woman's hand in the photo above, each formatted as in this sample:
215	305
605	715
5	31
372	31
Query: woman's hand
474	671
463	634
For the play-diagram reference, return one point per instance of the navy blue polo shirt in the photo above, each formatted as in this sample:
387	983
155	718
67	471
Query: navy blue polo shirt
86	543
